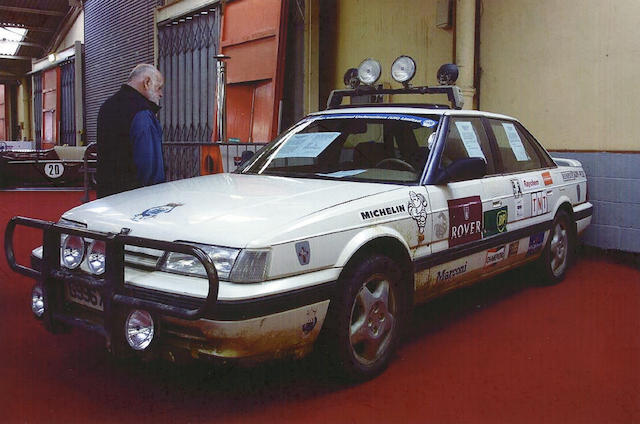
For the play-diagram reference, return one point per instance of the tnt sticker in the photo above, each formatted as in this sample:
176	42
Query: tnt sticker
304	252
539	204
535	243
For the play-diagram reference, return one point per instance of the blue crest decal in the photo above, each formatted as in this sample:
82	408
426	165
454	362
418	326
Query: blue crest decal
304	252
156	210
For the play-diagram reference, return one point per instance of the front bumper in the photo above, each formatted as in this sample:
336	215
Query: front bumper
269	326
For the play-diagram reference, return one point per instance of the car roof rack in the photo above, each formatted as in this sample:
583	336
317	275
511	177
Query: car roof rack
453	93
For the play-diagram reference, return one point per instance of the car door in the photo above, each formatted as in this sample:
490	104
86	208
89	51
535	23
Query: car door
457	209
528	187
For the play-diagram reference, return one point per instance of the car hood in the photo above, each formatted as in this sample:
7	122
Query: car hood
232	210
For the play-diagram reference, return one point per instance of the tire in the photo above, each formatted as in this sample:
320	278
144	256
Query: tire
559	250
367	320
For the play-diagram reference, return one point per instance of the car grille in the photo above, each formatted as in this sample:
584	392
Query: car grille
138	257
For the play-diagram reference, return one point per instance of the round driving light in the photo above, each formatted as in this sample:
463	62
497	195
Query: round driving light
403	69
369	71
139	329
95	257
72	252
37	301
448	74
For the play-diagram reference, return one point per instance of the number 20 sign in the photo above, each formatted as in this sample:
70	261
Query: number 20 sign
54	169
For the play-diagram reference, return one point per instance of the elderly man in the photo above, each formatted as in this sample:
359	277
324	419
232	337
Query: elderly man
129	134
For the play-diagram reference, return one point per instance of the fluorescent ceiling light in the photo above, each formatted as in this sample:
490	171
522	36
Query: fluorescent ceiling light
10	39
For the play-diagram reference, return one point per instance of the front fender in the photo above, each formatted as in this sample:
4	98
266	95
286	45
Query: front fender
365	236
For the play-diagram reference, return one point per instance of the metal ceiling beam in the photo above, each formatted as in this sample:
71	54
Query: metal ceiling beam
8	56
27	27
22	43
36	11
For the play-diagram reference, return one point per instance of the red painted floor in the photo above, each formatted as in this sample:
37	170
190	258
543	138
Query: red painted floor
503	351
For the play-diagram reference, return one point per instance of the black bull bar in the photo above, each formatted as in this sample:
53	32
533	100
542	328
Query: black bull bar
110	285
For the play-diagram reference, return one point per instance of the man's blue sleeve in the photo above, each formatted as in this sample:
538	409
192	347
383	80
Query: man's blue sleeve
143	135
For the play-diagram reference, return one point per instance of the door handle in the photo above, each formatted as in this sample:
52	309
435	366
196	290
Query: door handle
497	203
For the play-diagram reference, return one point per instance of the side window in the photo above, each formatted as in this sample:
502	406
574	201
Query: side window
516	150
467	138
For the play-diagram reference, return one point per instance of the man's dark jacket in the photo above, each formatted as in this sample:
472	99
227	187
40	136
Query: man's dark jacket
129	143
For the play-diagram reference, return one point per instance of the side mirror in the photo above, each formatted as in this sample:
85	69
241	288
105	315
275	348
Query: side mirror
245	157
462	170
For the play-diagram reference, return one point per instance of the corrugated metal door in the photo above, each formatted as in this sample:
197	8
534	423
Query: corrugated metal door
50	106
3	121
37	108
67	103
186	47
118	35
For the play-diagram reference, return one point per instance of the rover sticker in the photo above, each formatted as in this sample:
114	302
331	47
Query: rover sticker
155	211
465	220
495	255
441	225
304	252
377	213
535	243
418	209
495	221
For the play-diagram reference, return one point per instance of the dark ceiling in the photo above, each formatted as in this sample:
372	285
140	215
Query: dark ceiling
43	19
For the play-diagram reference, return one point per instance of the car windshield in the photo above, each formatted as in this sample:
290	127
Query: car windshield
380	147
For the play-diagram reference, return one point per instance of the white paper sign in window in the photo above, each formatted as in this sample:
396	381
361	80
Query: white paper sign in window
515	142
470	139
308	145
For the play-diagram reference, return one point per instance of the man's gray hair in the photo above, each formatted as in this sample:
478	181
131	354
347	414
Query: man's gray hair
142	70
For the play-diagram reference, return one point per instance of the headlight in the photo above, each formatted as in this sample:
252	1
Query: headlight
222	258
251	266
139	329
72	252
369	71
403	69
95	257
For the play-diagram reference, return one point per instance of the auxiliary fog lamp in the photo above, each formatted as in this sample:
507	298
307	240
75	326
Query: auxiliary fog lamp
403	69
369	71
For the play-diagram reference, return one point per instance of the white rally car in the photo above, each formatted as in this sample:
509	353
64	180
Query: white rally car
335	229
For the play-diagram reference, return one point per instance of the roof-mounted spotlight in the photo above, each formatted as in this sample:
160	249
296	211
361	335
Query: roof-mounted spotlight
369	71
448	74
403	69
351	78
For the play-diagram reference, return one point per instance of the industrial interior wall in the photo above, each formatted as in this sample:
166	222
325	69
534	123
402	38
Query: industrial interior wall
568	70
386	29
76	33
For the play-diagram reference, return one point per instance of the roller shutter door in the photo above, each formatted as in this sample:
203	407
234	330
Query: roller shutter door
118	35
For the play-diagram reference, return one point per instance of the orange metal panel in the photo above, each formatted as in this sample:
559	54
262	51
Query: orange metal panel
3	123
50	105
210	160
253	35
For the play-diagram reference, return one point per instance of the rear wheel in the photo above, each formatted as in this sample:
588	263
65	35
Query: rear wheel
368	317
558	252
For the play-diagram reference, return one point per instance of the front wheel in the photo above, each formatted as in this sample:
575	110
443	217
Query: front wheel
369	313
558	252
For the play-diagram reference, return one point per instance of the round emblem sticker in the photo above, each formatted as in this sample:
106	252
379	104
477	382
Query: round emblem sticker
53	169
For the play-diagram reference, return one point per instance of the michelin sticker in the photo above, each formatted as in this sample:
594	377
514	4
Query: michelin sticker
380	212
418	209
155	211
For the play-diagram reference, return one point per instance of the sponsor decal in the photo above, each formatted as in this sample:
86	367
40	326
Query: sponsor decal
418	209
54	169
539	204
3	146
517	190
155	211
495	221
531	183
513	248
571	175
495	255
465	220
304	252
578	191
519	208
441	225
425	122
546	176
447	274
308	326
535	243
377	213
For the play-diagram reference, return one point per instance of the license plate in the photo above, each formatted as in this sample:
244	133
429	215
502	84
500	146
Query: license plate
84	295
